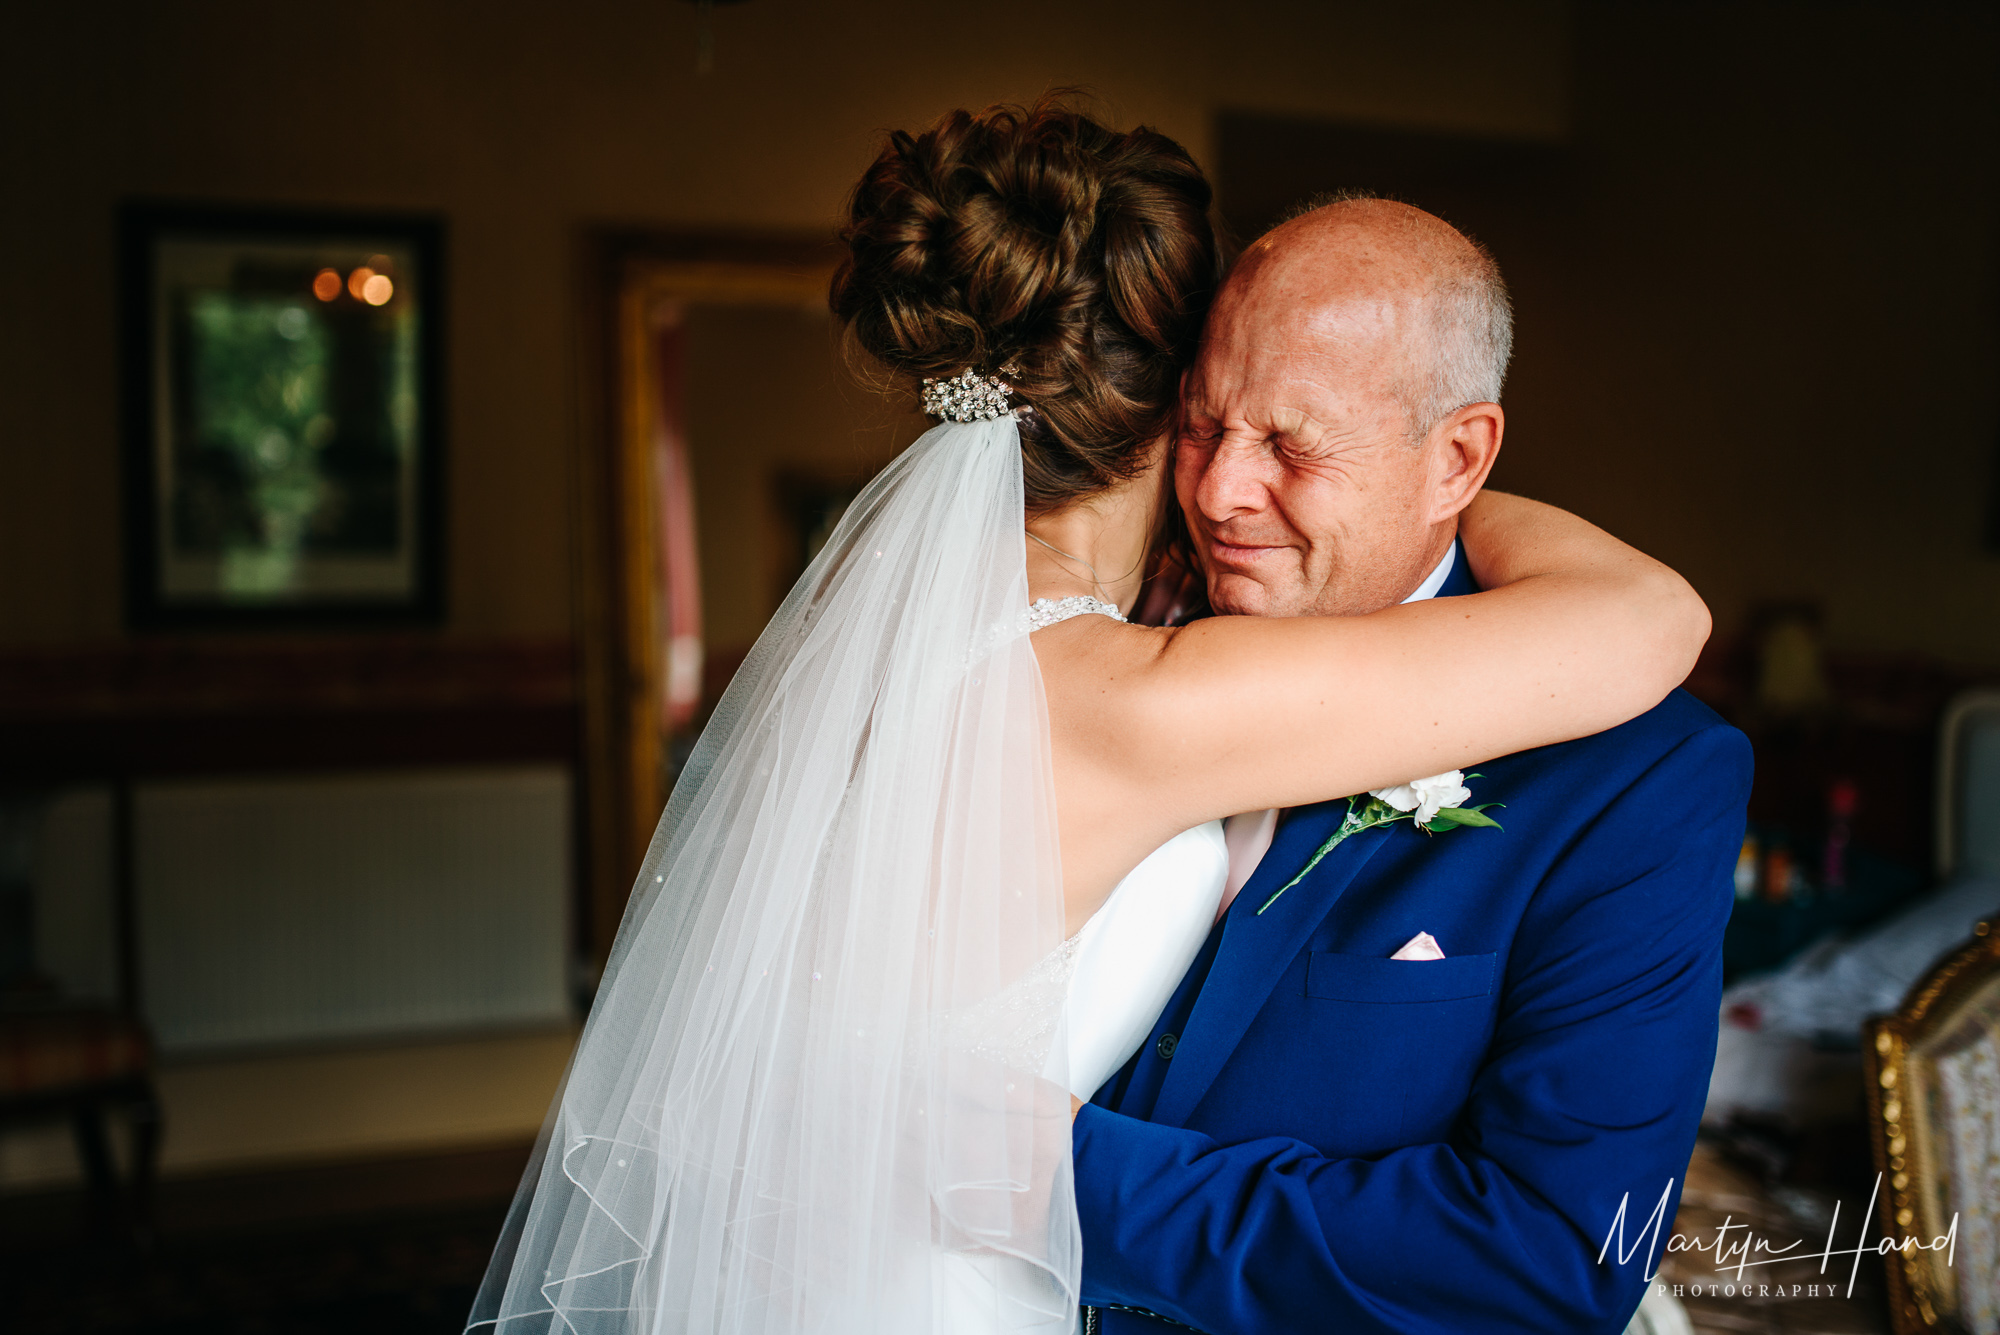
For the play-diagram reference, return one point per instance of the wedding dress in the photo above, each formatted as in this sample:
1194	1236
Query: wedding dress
1132	953
1118	972
825	1083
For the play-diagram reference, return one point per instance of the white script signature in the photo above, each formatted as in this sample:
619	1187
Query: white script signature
1738	1254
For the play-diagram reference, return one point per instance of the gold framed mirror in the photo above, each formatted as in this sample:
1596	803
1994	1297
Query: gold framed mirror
722	436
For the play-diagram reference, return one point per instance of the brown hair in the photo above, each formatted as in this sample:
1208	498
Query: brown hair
1037	238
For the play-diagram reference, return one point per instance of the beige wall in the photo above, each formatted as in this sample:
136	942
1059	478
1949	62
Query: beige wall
521	123
1765	350
767	398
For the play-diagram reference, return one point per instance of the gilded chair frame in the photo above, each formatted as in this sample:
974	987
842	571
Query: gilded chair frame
1921	1297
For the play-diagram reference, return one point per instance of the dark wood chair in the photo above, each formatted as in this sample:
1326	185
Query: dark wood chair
79	1065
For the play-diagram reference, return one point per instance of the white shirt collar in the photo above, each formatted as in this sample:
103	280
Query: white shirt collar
1435	580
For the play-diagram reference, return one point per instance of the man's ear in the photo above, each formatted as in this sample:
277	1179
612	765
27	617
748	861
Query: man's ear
1462	448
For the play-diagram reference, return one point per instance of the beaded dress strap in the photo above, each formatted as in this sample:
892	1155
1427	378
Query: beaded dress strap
1046	612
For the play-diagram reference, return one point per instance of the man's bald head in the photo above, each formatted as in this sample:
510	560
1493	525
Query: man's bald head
1457	328
1343	409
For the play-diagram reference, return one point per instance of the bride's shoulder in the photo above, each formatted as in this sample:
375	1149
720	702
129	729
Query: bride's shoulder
1098	672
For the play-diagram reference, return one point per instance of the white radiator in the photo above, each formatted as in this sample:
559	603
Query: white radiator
275	911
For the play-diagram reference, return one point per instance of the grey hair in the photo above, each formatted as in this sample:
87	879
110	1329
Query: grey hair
1471	326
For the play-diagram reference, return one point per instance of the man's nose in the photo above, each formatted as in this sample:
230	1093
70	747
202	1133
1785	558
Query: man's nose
1234	480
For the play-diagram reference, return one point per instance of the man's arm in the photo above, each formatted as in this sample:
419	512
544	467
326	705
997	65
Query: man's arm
1592	1089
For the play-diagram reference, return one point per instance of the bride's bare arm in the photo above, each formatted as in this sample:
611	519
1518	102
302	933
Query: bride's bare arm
1576	632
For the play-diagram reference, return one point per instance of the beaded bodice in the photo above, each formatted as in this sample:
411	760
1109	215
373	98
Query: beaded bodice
1046	612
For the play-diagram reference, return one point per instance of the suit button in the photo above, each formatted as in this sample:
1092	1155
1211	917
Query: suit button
1165	1047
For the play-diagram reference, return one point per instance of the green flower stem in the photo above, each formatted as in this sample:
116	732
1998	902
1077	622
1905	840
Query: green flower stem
1368	818
1378	813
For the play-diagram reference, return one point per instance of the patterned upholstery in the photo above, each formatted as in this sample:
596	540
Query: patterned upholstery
1965	1073
47	1052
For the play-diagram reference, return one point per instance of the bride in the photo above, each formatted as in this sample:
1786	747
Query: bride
952	836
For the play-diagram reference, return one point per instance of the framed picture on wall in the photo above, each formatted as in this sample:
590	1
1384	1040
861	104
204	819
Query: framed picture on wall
1993	507
283	409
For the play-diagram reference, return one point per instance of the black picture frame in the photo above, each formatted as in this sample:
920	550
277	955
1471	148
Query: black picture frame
333	516
1993	506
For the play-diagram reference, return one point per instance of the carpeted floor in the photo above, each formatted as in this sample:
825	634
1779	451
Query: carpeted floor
388	1249
412	1275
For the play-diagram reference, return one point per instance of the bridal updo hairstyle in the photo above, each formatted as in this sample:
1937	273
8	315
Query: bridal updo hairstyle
1036	238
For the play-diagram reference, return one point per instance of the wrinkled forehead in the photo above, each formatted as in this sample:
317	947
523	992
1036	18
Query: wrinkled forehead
1303	329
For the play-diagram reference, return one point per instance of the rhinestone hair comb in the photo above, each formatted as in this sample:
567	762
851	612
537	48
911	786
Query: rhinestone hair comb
971	397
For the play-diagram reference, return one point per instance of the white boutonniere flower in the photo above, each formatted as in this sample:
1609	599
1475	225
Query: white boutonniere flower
1427	797
1434	805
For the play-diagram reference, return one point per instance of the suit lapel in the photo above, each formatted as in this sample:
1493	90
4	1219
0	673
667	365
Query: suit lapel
1256	949
1459	582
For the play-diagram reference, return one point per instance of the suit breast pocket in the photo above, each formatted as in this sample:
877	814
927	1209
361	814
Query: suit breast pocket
1369	978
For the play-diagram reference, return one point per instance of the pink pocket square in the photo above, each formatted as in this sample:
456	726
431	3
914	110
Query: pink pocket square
1422	946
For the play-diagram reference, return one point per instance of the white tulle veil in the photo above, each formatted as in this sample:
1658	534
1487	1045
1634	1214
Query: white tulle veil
810	1097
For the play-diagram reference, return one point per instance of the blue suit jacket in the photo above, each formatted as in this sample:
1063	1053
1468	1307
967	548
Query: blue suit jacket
1319	1138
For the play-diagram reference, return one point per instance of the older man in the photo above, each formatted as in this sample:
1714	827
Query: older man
1416	1083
